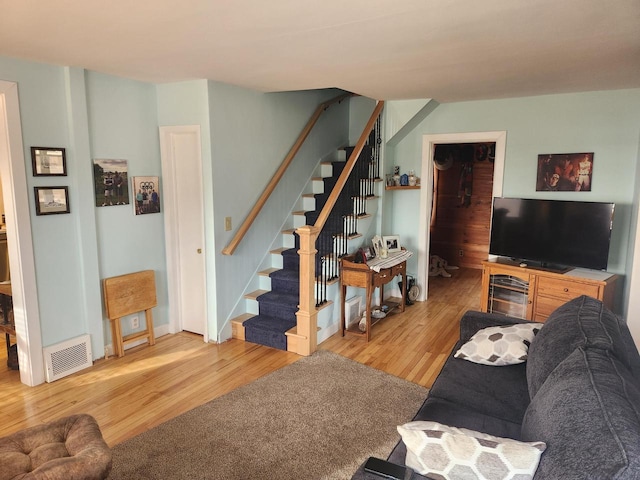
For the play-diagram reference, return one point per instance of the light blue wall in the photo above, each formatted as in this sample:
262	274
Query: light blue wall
251	133
245	135
123	125
606	123
93	115
45	103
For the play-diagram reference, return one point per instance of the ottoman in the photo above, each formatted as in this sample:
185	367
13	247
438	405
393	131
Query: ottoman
71	448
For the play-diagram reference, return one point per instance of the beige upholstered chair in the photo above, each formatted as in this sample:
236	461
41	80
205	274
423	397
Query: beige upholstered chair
70	448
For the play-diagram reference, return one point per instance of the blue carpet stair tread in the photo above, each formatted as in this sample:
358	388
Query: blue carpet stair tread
291	259
276	303
286	280
269	331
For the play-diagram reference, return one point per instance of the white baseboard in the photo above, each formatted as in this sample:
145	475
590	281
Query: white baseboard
325	333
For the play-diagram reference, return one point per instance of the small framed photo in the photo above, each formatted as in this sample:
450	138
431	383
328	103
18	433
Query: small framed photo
378	246
52	200
146	191
392	242
48	162
368	253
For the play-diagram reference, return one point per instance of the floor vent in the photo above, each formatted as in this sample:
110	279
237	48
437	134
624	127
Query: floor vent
67	357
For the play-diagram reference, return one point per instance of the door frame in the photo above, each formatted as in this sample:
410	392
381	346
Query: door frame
426	194
171	225
19	238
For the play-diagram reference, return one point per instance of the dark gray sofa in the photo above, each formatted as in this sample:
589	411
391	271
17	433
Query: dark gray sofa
579	392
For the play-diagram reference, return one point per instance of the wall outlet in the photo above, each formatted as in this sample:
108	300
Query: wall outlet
135	322
227	224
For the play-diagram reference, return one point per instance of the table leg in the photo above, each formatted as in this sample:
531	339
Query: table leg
369	297
343	320
403	301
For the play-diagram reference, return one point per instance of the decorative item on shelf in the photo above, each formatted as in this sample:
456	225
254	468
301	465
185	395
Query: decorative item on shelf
389	180
362	325
396	176
412	179
404	180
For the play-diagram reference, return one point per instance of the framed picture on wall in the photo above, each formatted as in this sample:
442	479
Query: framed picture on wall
110	181
48	162
52	200
564	172
146	191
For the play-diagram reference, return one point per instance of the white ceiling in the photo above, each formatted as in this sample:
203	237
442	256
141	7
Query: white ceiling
450	50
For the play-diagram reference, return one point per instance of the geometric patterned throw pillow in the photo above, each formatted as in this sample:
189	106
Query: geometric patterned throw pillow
499	346
442	452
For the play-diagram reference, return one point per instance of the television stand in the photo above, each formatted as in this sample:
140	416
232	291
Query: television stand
533	293
547	267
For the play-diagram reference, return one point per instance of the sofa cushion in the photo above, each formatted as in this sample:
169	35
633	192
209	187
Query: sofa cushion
587	412
444	411
454	453
583	321
499	392
499	346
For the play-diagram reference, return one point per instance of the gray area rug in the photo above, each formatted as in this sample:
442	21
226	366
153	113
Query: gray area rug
318	418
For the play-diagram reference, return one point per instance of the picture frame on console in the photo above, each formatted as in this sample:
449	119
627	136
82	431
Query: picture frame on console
378	245
392	243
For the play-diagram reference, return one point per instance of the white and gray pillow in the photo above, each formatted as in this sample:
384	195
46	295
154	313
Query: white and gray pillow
443	452
501	345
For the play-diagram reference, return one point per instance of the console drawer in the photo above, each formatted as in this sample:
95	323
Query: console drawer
544	307
564	290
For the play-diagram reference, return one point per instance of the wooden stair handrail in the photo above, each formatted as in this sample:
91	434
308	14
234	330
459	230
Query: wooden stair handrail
248	221
342	179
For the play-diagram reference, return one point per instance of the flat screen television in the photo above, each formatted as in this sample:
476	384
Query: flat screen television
552	233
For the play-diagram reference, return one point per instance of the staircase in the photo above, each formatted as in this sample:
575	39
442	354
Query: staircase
274	325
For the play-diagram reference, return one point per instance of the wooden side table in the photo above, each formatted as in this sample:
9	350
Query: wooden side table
127	294
360	275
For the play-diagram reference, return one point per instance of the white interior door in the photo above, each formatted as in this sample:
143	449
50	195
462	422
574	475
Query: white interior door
184	228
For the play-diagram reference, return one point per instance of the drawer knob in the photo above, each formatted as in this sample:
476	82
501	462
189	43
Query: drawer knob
566	290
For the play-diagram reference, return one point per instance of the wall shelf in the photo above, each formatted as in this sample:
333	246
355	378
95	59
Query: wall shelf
402	187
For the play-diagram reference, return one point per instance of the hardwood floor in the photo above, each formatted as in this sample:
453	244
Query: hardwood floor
150	385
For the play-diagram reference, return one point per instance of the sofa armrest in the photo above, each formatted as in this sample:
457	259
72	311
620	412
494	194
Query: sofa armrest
473	321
